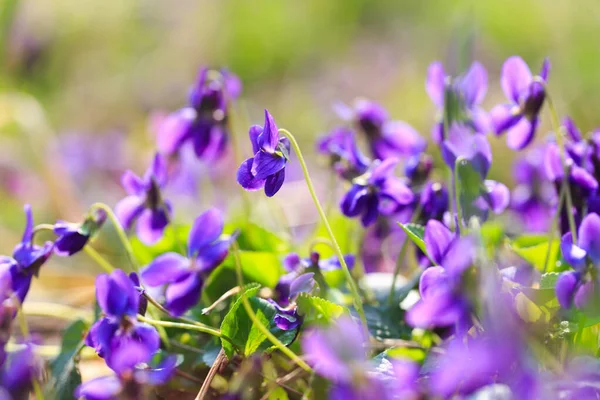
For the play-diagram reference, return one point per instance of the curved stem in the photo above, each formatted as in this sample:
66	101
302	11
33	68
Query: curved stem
101	261
559	139
252	315
351	283
224	296
188	321
120	231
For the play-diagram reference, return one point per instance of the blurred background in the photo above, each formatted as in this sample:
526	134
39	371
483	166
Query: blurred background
81	81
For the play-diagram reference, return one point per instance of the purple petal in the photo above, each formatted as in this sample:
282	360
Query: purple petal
322	356
274	183
583	179
150	225
245	177
572	129
28	231
173	131
132	183
520	135
498	195
254	132
104	388
148	336
383	170
399	139
183	295
437	132
552	163
291	262
459	256
129	354
439	310
573	254
213	255
435	83
269	138
481	120
354	201
207	228
474	84
430	279
504	116
584	294
302	284
163	371
287	322
166	268
515	79
437	240
266	164
589	236
158	170
128	209
565	288
545	70
371	210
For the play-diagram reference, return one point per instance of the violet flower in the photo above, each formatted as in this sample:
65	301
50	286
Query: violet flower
526	93
72	237
204	123
376	192
386	138
467	91
27	259
580	380
185	276
345	157
131	380
579	288
533	197
443	302
271	154
119	328
287	317
144	205
18	372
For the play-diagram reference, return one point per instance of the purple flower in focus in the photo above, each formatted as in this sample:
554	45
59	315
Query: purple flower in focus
580	287
345	157
443	301
119	329
185	276
271	154
377	192
287	318
144	202
526	93
418	168
131	380
73	237
204	122
533	196
463	143
386	138
26	260
467	91
434	201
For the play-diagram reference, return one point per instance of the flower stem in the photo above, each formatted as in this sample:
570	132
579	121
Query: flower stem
225	296
285	350
554	227
457	193
120	231
559	139
351	283
101	261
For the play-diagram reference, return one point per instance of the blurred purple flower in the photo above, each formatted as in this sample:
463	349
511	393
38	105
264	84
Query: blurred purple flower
271	154
376	192
418	168
526	94
386	138
73	237
442	302
580	380
144	202
119	329
204	122
468	90
463	143
345	157
434	201
185	276
27	259
131	379
533	196
18	372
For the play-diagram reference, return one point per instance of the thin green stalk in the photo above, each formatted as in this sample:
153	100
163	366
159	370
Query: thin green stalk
554	227
353	287
252	315
120	231
184	320
401	256
559	139
457	192
101	261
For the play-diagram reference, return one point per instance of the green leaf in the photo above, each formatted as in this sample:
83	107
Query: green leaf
492	233
253	237
534	249
548	280
174	240
65	376
387	322
416	233
257	266
527	309
278	394
238	326
317	309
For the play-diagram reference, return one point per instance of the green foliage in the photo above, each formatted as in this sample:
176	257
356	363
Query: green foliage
316	309
253	237
238	326
387	322
535	249
174	240
65	376
416	233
